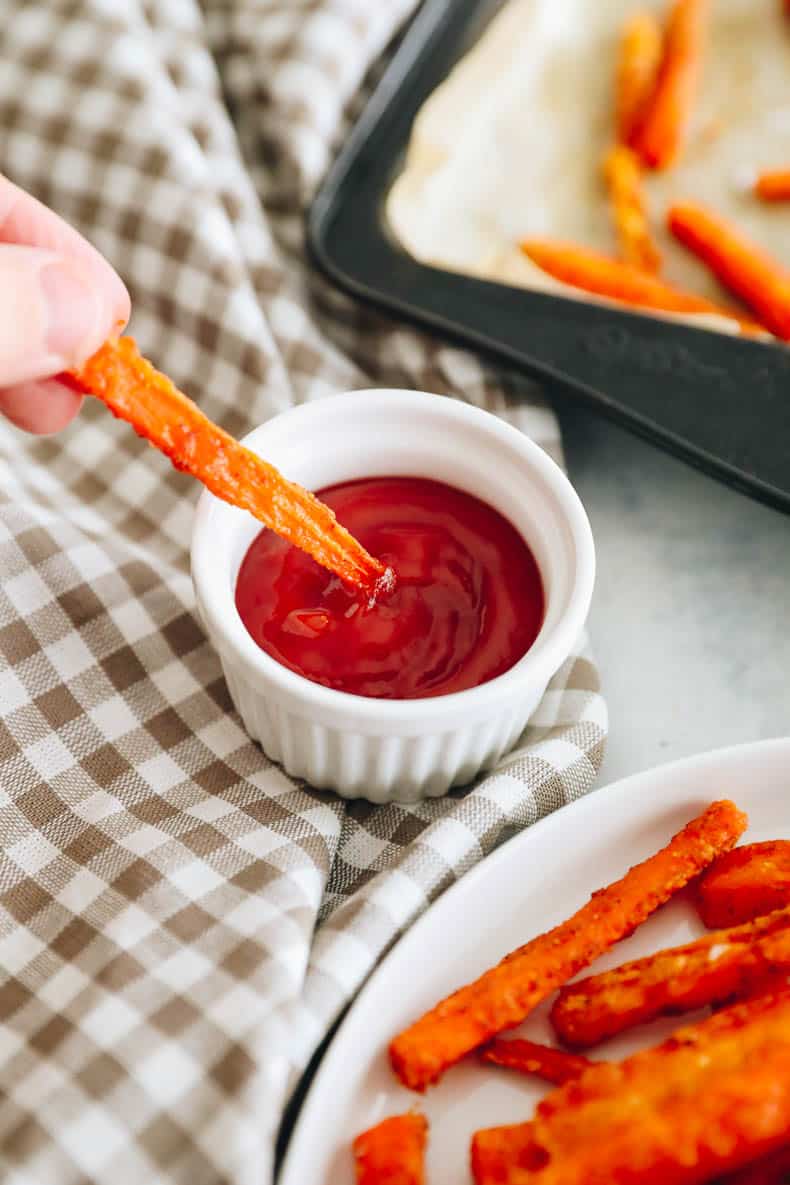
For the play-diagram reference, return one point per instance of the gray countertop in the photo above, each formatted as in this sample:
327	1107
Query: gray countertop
691	616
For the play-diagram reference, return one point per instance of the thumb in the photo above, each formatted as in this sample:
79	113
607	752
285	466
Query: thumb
53	315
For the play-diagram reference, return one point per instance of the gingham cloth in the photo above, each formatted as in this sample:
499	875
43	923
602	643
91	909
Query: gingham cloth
180	923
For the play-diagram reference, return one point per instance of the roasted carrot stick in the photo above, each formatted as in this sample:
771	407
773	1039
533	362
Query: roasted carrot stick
623	176
724	964
637	72
773	185
392	1152
713	1097
134	391
528	1057
660	137
498	1154
606	277
503	996
745	269
773	1169
746	883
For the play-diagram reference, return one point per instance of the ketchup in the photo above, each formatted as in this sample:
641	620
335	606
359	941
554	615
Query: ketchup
467	603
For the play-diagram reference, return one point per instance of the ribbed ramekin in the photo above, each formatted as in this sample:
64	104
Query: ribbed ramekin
399	750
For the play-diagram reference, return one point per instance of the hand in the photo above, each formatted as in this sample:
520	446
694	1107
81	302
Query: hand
59	300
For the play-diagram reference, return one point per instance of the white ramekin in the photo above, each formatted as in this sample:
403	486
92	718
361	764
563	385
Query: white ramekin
398	750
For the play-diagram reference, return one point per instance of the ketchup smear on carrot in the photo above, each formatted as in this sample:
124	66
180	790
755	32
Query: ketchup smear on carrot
467	604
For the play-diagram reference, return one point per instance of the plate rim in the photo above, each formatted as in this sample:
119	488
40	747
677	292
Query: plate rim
286	1174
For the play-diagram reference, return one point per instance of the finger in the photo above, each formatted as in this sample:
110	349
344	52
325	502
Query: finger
41	407
52	314
27	222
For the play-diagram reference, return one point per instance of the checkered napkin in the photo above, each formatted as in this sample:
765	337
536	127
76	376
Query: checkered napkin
180	923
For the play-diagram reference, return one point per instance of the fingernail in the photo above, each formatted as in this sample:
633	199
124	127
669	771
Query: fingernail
72	313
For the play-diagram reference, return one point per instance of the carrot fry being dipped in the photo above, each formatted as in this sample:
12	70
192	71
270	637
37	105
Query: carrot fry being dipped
592	272
134	391
721	965
529	1057
392	1152
623	176
760	282
503	996
659	138
637	71
748	882
773	185
712	1098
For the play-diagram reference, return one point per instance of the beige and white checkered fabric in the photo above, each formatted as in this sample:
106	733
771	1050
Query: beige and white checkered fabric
179	923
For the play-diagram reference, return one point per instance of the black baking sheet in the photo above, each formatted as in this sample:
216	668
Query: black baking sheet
719	402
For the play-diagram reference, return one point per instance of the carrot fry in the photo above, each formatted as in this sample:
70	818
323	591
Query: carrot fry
503	996
725	964
773	185
745	269
134	391
623	176
496	1154
659	139
637	72
746	883
712	1098
528	1057
392	1152
591	272
773	1169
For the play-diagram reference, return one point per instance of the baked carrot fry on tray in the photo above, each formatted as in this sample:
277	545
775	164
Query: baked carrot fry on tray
712	1098
746	883
773	1169
134	391
503	996
760	281
773	185
392	1152
659	138
724	964
637	71
528	1057
623	176
592	272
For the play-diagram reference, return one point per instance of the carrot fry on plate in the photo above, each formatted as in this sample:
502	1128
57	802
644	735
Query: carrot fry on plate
773	185
637	71
496	1154
659	138
713	1097
134	391
746	883
392	1152
529	1057
773	1169
503	996
623	175
760	282
602	276
724	964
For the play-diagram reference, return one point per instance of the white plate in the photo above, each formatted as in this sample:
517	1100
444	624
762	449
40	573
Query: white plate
528	885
